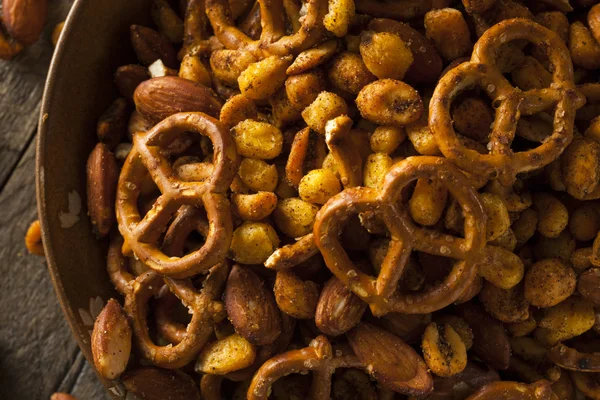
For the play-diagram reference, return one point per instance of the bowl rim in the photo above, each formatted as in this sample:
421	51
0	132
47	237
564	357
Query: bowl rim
68	312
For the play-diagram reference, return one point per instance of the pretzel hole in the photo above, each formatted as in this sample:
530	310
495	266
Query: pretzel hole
352	384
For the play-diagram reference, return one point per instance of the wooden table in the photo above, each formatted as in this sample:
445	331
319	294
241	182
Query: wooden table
38	356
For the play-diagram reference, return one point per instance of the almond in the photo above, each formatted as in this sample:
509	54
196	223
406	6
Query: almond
102	177
159	98
111	341
588	285
391	361
295	297
112	124
25	19
490	341
151	383
251	307
150	46
128	77
338	309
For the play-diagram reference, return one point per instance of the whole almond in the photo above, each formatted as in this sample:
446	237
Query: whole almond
159	98
388	359
128	77
111	341
338	309
25	19
112	124
295	297
251	307
151	383
150	45
490	340
102	177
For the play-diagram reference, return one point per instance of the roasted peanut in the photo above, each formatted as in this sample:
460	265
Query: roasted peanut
237	109
386	55
303	89
560	247
226	355
295	297
422	137
258	175
253	243
498	220
585	51
389	102
339	17
449	32
553	216
428	202
254	207
295	217
326	106
257	139
443	350
349	73
228	65
506	305
264	78
376	166
318	186
386	139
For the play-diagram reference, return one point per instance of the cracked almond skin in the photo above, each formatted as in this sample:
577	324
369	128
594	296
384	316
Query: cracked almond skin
25	19
111	341
338	309
102	178
151	383
390	360
251	307
159	98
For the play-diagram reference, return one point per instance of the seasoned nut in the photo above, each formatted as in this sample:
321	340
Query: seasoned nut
580	167
253	243
524	228
389	102
408	327
264	78
128	78
349	73
295	217
553	216
339	17
326	107
587	383
150	46
472	117
167	20
251	307
257	139
584	222
560	247
566	320
313	57
422	138
237	109
443	350
585	51
428	202
338	309
258	175
498	220
192	68
501	267
490	341
318	186
376	166
523	328
303	89
460	326
111	341
386	55
229	354
352	383
159	98
155	383
588	285
389	360
506	305
449	32
580	258
24	20
228	65
102	177
386	139
549	282
295	297
112	124
253	207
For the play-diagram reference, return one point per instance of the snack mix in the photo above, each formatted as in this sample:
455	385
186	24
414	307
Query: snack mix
353	199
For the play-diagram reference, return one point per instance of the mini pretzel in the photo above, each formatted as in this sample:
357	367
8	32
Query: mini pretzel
540	390
198	331
142	234
272	38
317	357
381	292
290	255
511	103
347	158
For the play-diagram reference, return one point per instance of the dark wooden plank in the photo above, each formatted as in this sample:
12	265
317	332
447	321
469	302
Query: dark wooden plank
38	356
21	86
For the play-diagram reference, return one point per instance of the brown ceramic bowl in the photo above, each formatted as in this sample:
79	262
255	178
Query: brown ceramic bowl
95	41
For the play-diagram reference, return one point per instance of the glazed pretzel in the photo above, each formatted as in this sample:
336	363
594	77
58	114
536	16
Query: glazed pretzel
511	103
198	331
142	234
318	357
380	292
272	39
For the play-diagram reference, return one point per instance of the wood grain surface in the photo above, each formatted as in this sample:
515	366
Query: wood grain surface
38	356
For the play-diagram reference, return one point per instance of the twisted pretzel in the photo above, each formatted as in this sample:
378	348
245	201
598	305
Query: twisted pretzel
318	357
511	103
272	39
142	234
381	292
198	331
